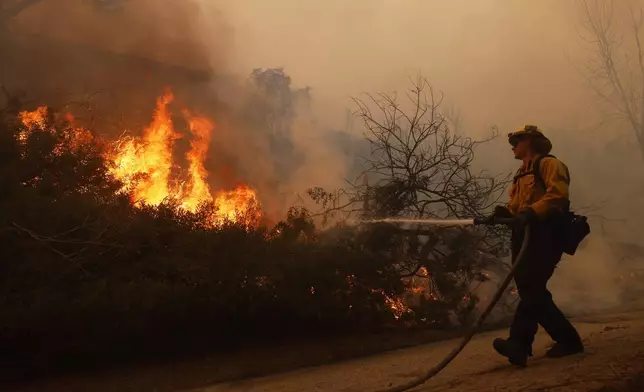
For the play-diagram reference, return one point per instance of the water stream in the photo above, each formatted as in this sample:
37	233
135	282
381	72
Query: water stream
435	222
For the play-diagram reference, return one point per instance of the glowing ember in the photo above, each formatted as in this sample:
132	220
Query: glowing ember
34	120
417	287
397	306
70	137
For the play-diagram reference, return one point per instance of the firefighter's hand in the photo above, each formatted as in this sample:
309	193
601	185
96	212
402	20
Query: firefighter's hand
524	218
500	212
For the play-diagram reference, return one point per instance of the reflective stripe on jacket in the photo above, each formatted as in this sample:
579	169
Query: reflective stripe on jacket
527	193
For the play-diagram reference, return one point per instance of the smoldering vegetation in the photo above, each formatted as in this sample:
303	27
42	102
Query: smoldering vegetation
319	107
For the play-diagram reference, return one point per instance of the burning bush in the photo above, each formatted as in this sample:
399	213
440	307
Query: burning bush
105	253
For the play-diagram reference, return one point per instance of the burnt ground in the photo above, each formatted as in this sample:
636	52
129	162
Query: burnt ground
614	361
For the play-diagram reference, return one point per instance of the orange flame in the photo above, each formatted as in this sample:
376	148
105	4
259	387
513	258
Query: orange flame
145	168
145	165
201	128
70	137
34	119
236	205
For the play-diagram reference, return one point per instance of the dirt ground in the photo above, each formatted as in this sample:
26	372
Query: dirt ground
614	358
615	355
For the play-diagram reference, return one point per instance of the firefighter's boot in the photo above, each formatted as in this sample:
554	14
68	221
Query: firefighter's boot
563	349
516	353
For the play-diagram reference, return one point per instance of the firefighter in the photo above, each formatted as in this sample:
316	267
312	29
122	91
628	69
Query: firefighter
539	198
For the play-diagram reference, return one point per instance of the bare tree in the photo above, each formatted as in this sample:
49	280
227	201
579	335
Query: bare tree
616	71
418	167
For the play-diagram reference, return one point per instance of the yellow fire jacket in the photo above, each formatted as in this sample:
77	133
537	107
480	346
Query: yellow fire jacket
526	193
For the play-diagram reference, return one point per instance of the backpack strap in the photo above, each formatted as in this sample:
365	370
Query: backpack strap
536	172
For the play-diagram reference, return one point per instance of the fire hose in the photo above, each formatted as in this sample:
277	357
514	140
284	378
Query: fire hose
479	322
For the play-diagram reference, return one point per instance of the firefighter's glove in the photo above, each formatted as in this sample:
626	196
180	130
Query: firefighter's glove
502	212
524	218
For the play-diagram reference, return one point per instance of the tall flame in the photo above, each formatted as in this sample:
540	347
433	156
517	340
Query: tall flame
145	165
145	168
201	128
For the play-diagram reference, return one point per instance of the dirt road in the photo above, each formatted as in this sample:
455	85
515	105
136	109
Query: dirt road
615	353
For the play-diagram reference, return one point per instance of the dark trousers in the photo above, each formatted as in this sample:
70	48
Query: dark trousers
536	306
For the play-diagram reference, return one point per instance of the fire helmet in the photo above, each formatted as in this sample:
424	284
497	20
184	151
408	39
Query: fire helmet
540	142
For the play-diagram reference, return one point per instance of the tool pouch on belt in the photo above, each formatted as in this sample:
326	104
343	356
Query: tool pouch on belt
574	228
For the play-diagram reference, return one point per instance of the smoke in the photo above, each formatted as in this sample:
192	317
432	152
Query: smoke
591	281
498	62
508	56
117	61
164	31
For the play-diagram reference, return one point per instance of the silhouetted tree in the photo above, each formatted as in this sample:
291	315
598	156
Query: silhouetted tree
271	110
616	73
